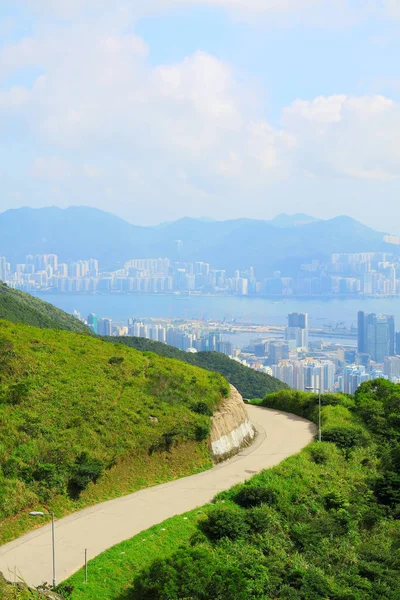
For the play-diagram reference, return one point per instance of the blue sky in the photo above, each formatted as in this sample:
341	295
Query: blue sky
224	108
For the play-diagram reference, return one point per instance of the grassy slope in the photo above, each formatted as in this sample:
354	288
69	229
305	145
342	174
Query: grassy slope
322	533
250	383
60	397
18	307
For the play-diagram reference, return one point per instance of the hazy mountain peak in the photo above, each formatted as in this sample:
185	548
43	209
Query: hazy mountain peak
284	220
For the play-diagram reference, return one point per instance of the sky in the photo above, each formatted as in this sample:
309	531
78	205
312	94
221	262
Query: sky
160	109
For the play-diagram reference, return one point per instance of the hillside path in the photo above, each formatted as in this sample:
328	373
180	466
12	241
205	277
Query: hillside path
99	527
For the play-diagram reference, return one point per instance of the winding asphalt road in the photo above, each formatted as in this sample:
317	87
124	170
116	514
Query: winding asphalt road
98	528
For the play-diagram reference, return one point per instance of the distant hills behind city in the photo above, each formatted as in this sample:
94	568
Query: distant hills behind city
283	243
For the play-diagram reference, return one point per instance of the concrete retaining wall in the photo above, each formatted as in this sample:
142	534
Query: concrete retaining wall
231	428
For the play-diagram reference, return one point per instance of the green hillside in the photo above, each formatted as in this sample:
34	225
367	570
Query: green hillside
82	420
18	307
250	383
322	525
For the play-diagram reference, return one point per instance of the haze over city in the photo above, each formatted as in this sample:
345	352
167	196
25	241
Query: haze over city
216	108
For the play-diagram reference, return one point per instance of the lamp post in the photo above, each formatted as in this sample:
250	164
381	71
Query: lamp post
313	389
36	513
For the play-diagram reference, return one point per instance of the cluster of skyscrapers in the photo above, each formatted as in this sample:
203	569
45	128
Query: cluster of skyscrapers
182	337
365	274
340	368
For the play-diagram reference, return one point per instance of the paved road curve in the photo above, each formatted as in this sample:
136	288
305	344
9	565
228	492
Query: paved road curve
102	526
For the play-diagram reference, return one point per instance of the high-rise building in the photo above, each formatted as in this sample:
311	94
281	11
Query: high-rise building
3	268
353	377
299	321
277	351
376	335
93	322
397	342
392	334
284	371
392	367
361	333
104	327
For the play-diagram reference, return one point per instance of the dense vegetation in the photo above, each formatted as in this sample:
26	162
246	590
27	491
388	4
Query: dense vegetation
322	525
250	383
17	307
82	420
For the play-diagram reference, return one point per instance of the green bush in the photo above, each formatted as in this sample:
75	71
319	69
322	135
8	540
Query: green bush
319	453
195	574
202	431
86	469
201	408
225	522
345	437
116	360
257	519
387	489
251	495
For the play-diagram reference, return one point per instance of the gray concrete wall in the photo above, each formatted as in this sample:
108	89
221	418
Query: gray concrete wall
231	428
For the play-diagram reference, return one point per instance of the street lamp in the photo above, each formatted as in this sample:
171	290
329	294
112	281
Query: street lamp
313	389
37	513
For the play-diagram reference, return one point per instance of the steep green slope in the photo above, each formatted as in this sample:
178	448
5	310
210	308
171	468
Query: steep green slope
322	525
250	383
82	420
18	307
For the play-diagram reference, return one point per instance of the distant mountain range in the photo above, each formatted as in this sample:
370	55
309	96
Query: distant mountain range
284	243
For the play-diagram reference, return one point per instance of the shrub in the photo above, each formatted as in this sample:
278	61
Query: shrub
17	393
202	432
387	489
335	499
116	360
225	522
201	408
195	574
319	454
86	469
257	519
252	495
345	437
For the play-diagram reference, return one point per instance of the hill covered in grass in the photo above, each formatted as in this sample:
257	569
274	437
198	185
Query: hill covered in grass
250	383
82	420
322	525
18	307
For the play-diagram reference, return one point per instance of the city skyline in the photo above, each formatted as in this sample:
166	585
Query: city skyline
357	274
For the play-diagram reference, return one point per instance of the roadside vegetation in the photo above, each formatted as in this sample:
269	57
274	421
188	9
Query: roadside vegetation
250	383
322	525
18	307
82	421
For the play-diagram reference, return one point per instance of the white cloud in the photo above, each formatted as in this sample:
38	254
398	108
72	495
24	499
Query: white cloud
13	98
51	167
354	136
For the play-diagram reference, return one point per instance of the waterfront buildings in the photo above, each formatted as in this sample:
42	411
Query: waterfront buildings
362	274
